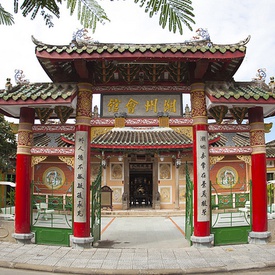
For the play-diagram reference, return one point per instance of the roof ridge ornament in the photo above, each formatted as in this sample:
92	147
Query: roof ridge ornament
271	84
19	77
245	41
81	38
260	76
202	35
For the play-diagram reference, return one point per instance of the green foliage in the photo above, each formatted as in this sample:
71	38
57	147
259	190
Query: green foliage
5	17
173	12
7	145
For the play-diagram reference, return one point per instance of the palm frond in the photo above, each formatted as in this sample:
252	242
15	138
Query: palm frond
89	12
5	17
174	12
33	6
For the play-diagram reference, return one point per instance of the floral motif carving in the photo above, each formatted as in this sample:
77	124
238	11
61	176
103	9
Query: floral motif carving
84	104
198	103
257	138
25	138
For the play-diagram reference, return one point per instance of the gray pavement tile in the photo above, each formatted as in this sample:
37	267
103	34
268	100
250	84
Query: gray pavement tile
65	262
34	261
51	260
124	266
94	264
109	264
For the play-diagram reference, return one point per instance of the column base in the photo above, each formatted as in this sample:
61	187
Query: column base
259	237
85	242
202	241
23	238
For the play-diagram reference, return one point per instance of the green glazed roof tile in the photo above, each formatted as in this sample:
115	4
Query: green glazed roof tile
237	90
41	91
192	46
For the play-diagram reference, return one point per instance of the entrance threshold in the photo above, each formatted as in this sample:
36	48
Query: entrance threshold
146	212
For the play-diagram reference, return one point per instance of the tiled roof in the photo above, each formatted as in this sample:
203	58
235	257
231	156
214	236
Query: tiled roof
110	48
39	91
232	140
142	137
270	149
49	139
247	91
117	63
139	137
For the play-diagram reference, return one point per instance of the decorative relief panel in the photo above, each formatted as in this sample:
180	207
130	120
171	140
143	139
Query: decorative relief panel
117	171
117	194
165	171
165	194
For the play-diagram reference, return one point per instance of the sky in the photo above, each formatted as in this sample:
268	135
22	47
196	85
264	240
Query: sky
227	21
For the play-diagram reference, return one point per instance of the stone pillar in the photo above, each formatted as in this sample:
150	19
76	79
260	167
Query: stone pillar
22	226
82	237
201	235
259	233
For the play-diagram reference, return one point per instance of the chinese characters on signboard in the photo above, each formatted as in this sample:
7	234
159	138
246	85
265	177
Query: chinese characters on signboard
80	176
141	105
203	196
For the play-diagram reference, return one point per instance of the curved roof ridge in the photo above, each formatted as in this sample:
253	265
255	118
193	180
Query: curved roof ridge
142	128
186	43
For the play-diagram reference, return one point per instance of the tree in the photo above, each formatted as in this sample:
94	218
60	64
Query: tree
175	13
7	145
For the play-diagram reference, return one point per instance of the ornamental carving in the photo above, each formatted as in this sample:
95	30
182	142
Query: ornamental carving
246	159
63	113
53	128
52	151
214	159
25	138
96	131
257	138
218	113
187	131
68	160
230	150
84	104
198	104
37	159
43	114
228	128
239	113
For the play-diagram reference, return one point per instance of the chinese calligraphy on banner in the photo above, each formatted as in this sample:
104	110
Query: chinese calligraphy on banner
203	196
141	104
80	176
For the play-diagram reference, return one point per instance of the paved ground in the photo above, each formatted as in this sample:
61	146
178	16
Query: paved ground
138	245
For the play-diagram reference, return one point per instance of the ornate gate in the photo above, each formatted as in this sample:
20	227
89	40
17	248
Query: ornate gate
51	215
189	207
231	215
96	207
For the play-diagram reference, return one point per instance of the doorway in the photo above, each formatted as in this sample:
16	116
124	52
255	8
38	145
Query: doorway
141	185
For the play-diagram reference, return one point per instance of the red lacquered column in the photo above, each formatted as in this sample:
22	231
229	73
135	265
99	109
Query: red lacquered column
81	230
201	235
22	226
259	232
